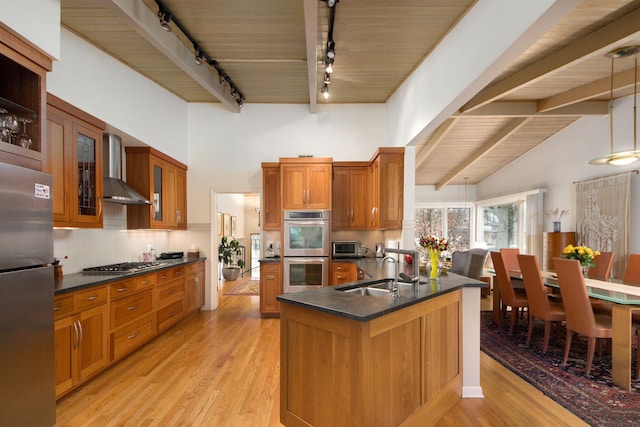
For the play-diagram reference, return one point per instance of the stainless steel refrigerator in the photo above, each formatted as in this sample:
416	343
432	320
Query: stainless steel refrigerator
27	365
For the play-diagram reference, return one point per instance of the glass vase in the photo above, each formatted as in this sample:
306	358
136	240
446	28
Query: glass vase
585	271
434	258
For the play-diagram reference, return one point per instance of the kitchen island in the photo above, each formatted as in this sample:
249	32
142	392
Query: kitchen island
357	359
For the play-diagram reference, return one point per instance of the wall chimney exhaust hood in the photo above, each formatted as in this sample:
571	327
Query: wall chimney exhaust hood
114	189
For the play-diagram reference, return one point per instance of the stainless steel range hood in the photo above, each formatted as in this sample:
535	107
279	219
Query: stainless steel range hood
114	189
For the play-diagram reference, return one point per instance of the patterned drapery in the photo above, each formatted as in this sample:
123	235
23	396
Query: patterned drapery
603	210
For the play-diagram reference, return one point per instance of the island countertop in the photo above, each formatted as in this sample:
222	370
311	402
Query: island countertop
333	299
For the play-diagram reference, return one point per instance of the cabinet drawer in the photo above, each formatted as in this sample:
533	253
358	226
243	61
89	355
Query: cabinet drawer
91	298
146	281
170	274
194	268
170	292
170	314
271	268
130	308
121	289
62	306
128	338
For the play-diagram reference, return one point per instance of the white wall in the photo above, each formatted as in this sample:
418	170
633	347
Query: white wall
226	150
36	20
562	160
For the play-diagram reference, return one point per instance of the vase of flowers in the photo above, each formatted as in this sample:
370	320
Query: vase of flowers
434	246
556	215
584	254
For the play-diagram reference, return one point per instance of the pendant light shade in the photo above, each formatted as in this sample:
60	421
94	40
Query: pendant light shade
623	157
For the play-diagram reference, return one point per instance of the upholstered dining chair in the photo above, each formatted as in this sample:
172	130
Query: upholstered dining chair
510	259
539	305
581	318
459	262
602	269
632	271
516	300
476	259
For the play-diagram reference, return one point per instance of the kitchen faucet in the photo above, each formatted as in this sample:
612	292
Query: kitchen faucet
413	279
395	293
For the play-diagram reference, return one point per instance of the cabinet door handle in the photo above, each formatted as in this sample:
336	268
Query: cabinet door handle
133	307
81	333
99	207
178	215
75	330
132	336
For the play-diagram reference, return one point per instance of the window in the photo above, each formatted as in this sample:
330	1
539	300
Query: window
501	225
452	222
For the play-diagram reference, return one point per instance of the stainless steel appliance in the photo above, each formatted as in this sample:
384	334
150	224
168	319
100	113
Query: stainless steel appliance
379	250
122	267
301	273
27	361
306	233
306	236
346	249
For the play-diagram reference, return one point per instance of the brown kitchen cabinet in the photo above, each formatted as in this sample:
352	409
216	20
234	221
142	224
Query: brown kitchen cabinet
306	183
23	94
270	288
553	245
74	159
170	297
386	189
349	206
343	272
163	181
271	206
194	286
81	337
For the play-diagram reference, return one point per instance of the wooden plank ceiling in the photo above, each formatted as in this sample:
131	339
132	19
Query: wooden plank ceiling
273	50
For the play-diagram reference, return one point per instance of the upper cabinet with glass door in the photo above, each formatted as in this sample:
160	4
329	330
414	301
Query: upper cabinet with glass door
74	158
22	101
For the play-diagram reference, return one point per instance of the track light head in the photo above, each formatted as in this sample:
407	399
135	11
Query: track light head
328	65
325	91
327	78
224	79
240	102
165	19
331	3
234	91
199	56
331	52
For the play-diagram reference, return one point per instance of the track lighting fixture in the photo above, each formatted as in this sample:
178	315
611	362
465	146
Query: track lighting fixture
327	78
328	65
623	157
331	53
199	56
325	91
331	3
165	18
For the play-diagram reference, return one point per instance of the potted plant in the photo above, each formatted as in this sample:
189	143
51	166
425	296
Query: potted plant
229	253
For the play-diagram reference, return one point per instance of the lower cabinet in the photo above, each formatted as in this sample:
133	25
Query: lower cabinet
97	326
270	288
343	272
81	339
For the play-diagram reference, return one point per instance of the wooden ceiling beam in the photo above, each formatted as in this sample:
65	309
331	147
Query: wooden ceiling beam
590	90
311	36
530	109
597	43
145	23
504	133
435	140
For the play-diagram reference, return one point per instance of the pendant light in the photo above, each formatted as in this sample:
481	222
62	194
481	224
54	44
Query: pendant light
624	157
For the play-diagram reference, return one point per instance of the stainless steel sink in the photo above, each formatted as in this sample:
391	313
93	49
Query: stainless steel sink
369	290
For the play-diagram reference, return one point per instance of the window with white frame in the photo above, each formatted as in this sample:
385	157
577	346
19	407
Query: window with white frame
452	222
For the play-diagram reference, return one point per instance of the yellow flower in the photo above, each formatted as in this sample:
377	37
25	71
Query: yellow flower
568	249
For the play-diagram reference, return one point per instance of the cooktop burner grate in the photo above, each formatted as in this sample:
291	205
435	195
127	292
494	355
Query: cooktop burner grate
122	267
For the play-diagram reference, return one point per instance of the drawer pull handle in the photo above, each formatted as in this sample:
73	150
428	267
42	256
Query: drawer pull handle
171	292
132	336
133	307
57	308
145	282
164	276
173	313
178	273
91	298
124	288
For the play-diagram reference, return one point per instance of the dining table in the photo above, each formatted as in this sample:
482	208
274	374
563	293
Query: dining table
625	299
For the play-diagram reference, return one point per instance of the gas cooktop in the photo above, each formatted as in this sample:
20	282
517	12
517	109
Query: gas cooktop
122	268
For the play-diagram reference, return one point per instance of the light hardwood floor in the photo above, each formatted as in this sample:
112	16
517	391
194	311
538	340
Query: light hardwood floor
221	368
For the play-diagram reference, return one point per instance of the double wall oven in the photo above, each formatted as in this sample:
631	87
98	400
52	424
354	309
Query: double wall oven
306	251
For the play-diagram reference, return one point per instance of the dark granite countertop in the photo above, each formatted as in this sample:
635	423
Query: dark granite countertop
77	281
269	260
334	300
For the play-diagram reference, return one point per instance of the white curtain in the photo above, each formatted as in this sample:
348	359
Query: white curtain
535	223
603	209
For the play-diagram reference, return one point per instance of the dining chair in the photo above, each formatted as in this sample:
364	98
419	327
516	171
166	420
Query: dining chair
458	262
476	259
632	271
602	269
516	300
510	258
539	305
581	318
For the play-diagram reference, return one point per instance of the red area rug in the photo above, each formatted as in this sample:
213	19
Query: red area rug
591	397
245	286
